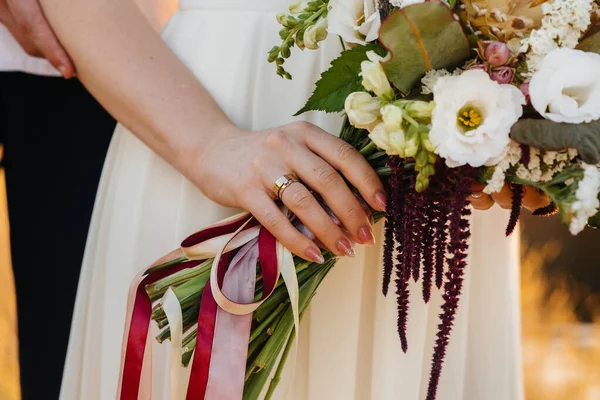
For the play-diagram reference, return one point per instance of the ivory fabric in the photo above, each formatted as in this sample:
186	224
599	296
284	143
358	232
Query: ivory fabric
14	58
348	347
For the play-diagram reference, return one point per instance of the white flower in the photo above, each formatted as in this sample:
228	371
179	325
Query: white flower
432	76
587	203
374	77
355	21
393	143
472	118
511	157
392	117
315	33
566	88
563	23
297	7
362	110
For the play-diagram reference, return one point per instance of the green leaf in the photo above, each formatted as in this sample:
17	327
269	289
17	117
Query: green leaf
420	38
547	135
339	81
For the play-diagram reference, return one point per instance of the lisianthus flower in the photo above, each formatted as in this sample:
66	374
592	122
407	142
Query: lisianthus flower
355	21
566	88
472	118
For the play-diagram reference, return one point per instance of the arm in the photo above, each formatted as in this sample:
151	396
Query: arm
129	69
136	77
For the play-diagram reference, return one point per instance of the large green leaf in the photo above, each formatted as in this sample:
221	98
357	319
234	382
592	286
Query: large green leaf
339	80
420	38
548	135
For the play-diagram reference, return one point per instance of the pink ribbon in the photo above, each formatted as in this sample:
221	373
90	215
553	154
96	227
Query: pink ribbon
218	365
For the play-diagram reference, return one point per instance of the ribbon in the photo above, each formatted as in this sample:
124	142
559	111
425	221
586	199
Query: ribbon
218	364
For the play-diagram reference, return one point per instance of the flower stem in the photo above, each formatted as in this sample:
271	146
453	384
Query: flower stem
167	264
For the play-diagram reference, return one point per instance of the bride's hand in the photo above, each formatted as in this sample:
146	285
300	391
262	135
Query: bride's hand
240	169
532	198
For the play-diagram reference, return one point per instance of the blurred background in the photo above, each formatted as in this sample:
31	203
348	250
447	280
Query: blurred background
560	299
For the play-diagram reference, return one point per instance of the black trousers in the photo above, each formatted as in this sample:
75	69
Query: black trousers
56	137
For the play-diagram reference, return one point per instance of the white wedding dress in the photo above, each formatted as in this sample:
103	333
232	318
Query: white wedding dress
349	347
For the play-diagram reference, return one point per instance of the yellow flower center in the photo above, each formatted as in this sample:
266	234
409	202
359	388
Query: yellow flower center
469	118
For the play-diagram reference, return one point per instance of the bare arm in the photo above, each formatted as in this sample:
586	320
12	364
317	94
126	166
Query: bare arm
136	77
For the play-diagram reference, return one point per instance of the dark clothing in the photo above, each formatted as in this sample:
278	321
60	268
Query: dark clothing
55	139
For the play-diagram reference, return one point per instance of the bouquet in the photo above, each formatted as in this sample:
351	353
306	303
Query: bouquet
437	96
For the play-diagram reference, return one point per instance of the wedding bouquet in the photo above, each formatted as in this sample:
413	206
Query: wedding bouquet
437	96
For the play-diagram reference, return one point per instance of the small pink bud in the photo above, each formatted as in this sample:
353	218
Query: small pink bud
503	74
525	90
497	53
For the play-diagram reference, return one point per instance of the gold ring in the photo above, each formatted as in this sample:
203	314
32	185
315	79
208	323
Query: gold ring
282	183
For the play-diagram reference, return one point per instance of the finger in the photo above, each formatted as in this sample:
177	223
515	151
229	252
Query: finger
303	204
504	197
534	199
325	180
270	216
346	159
481	201
35	28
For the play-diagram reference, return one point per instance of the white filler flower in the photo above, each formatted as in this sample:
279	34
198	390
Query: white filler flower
587	203
566	88
355	21
472	118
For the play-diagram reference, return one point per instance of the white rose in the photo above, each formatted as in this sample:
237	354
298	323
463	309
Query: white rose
355	21
566	88
472	118
315	33
374	77
362	110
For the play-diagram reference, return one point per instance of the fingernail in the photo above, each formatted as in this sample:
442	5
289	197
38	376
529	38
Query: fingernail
315	255
381	201
477	195
344	246
366	235
63	70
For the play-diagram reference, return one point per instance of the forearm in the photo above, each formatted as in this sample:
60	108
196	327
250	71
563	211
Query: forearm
137	78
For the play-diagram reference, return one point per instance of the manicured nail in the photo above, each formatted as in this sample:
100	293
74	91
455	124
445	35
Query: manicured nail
344	246
381	201
477	195
315	255
63	71
365	234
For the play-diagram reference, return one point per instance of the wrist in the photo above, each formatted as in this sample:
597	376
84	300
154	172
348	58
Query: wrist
199	157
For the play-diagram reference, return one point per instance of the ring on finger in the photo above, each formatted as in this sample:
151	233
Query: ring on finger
282	183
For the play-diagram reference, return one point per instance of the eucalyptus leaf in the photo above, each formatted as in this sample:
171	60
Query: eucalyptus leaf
420	38
339	80
590	43
548	135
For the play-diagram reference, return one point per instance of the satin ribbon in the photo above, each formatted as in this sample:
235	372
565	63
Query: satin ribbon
228	309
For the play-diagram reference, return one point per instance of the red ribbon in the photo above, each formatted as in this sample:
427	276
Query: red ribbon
142	309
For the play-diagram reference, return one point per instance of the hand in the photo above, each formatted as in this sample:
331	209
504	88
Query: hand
26	22
239	170
532	198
